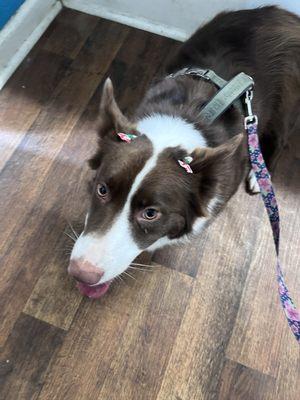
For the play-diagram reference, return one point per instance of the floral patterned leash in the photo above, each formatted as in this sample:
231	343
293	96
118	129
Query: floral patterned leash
268	196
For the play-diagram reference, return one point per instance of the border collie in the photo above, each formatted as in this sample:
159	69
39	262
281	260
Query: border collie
142	199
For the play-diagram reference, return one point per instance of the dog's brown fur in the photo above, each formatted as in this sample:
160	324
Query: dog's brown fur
264	43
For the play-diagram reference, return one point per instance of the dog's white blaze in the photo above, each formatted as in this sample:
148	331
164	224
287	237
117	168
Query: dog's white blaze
109	251
116	248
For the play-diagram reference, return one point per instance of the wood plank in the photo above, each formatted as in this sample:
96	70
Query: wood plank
288	377
197	358
143	56
124	340
288	183
68	33
24	178
54	298
252	335
24	95
40	243
31	86
25	358
261	335
101	47
138	366
183	258
239	383
130	80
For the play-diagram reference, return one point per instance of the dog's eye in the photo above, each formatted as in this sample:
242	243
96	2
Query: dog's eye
102	190
150	214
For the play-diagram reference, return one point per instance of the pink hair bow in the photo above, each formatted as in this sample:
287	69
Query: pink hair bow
126	137
185	164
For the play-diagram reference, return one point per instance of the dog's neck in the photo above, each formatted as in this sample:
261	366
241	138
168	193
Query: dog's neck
182	98
165	131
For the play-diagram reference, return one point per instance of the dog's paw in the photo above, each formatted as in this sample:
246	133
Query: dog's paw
252	184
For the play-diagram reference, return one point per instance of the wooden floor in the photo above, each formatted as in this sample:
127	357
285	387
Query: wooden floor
205	323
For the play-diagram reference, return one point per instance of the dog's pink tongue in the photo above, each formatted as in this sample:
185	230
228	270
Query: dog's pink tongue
93	292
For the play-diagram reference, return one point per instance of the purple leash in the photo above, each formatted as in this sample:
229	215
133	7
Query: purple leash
268	196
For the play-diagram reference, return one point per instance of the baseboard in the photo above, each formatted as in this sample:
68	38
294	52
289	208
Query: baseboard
94	8
22	31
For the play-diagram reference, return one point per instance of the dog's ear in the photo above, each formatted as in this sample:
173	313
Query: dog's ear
213	168
110	115
111	120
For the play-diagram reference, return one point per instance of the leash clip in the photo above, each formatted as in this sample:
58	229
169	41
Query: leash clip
250	118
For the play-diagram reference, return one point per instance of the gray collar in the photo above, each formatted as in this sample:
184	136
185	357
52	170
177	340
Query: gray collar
230	92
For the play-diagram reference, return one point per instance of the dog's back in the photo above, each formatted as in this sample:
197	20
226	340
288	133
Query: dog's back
264	43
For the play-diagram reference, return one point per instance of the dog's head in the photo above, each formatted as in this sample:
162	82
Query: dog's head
141	197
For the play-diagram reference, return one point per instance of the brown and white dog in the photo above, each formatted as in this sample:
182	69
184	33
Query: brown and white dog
141	198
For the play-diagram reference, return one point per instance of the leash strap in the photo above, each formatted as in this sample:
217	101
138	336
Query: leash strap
229	93
269	199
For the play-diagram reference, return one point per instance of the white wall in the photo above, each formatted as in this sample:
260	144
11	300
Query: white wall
173	18
22	31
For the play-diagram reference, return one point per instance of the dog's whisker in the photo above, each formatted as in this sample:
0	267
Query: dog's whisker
68	245
120	278
73	230
126	273
70	236
139	269
64	249
143	265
